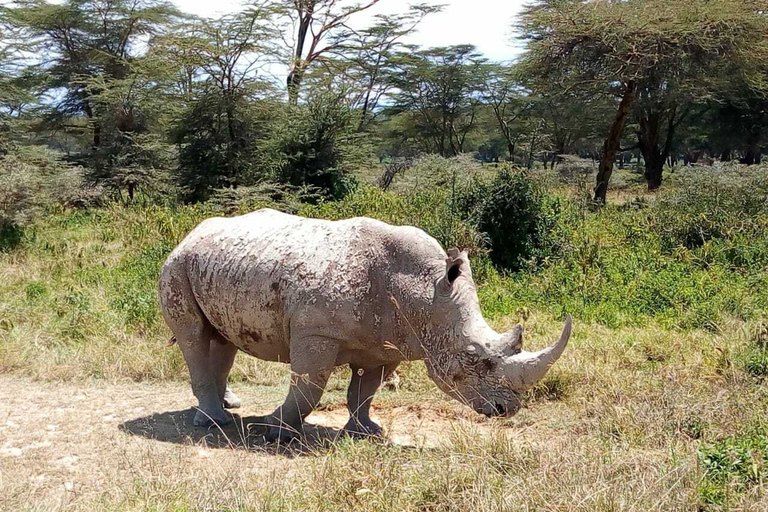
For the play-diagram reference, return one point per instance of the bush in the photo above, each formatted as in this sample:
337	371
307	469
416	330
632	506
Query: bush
721	212
733	464
217	138
619	265
316	145
429	210
517	219
285	198
32	179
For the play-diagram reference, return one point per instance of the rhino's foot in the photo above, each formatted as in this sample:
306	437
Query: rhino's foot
208	420
283	434
362	428
231	400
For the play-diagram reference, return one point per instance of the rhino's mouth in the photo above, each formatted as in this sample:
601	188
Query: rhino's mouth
494	409
497	407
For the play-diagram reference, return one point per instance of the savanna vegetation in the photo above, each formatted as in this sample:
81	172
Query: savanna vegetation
612	171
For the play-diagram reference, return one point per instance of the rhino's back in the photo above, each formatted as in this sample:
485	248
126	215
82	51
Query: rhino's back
260	276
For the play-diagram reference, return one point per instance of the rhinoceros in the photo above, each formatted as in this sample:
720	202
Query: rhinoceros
318	294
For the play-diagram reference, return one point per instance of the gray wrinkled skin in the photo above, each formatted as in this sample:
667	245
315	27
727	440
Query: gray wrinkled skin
318	294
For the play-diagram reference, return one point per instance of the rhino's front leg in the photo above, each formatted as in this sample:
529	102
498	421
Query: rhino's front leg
312	361
362	387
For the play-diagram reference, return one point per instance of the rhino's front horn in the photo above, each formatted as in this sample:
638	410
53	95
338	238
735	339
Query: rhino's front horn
525	369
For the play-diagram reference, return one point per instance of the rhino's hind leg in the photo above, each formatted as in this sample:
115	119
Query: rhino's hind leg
312	361
196	348
193	333
362	387
222	358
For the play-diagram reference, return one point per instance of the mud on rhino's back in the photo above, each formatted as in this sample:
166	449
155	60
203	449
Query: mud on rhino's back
260	275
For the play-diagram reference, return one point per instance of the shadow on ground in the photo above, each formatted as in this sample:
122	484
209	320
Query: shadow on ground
245	433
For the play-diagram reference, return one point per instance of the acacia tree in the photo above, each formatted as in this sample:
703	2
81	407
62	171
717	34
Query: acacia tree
132	112
508	100
737	126
81	39
373	56
629	48
319	31
658	118
439	90
362	66
217	63
13	93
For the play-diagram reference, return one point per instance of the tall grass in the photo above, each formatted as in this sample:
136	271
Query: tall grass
692	258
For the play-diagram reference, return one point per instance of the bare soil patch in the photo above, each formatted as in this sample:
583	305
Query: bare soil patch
61	443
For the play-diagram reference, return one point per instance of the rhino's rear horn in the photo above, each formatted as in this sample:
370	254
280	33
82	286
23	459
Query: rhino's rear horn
512	341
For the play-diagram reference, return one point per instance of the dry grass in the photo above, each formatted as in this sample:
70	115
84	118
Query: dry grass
615	426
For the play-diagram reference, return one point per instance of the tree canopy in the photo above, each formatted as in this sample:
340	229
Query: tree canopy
294	92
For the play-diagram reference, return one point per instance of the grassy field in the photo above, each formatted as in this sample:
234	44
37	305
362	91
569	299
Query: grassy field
659	403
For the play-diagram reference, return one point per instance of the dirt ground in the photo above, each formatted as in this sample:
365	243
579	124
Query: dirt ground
63	443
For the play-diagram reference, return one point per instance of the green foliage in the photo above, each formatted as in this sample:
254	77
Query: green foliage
265	194
517	220
616	266
32	179
36	290
660	57
732	465
754	358
429	210
217	137
756	361
437	91
622	265
316	145
725	202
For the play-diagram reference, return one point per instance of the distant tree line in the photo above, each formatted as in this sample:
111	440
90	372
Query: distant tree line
143	95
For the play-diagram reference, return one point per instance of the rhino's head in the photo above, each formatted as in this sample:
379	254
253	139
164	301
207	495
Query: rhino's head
476	365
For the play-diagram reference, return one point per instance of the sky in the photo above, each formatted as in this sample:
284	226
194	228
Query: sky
483	23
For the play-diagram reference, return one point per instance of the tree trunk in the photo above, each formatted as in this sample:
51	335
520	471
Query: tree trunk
294	85
96	134
649	142
753	154
532	149
613	143
653	173
96	124
298	66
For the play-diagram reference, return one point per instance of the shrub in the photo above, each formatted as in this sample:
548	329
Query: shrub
721	203
217	138
31	179
316	145
429	210
517	220
733	464
754	357
267	194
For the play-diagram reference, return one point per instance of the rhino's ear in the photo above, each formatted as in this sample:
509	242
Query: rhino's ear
455	264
